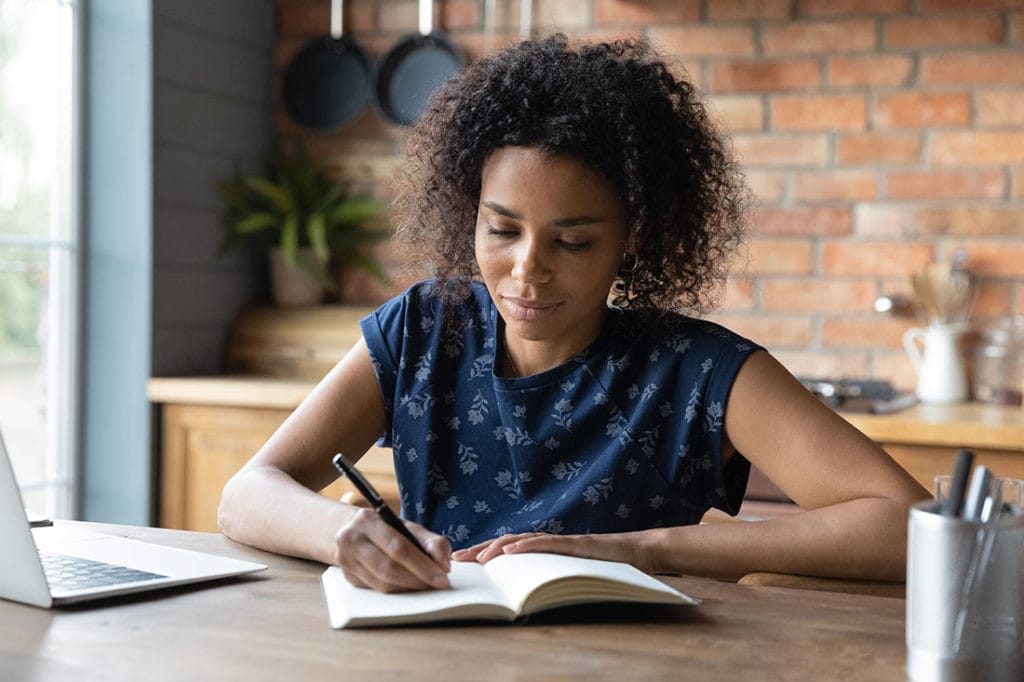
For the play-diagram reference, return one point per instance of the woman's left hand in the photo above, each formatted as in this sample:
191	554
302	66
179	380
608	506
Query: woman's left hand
625	547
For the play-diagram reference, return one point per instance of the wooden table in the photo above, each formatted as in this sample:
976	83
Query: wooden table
274	627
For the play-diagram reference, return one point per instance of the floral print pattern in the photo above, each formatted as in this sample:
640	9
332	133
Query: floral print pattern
625	436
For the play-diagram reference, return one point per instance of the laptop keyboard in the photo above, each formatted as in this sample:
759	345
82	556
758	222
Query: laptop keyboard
74	573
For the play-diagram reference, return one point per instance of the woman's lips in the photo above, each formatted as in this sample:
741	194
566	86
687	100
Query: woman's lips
527	310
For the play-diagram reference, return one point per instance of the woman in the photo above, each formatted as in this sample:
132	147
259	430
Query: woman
525	413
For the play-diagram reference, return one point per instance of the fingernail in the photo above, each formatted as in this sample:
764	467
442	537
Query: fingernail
441	582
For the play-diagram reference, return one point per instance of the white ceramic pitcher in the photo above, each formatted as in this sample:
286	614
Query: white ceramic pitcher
941	374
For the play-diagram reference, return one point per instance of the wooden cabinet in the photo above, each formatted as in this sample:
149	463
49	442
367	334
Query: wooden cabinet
925	438
211	427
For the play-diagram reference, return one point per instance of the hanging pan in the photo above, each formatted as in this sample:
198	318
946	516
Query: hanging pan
329	80
414	68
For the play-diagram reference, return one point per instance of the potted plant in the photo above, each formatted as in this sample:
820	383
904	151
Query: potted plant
308	220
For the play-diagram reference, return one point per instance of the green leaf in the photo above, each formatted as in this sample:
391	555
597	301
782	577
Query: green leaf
356	211
257	222
316	228
290	241
278	196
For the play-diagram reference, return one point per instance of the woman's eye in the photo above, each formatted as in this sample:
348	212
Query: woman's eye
574	246
499	231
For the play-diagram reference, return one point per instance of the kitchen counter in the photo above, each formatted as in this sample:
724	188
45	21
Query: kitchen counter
976	424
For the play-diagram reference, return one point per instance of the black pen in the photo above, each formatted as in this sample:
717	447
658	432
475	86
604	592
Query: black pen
376	501
954	504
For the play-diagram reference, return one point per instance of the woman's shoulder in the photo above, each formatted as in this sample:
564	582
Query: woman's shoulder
433	302
663	327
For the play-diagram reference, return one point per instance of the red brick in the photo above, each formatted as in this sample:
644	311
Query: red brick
778	257
646	12
923	110
567	16
824	8
988	258
945	185
771	331
894	366
737	10
1017	183
766	75
739	294
703	40
457	14
882	220
994	299
870	71
398	17
970	220
818	112
943	31
738	112
863	332
977	148
1000	107
810	295
315	19
879	148
767	186
842	185
808	220
818	37
959	5
839	363
874	258
970	68
781	150
1017	27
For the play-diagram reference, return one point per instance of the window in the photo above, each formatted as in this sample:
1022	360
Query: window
39	247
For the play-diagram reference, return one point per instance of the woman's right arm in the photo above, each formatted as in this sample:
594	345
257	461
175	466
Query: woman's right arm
272	503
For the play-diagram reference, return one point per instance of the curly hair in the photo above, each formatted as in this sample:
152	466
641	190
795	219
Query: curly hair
615	106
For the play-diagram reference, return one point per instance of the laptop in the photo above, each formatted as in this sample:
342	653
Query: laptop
57	565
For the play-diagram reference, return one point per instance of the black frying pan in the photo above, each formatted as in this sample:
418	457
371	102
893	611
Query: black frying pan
414	68
328	82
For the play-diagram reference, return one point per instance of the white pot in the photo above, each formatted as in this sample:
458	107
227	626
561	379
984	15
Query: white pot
293	286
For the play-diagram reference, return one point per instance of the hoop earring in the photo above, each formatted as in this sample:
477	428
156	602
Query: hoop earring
625	274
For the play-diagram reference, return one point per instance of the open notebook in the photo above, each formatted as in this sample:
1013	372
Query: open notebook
507	588
54	565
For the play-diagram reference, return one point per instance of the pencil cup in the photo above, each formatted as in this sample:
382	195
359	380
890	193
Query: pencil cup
965	596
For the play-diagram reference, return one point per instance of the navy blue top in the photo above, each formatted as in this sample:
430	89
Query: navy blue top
625	436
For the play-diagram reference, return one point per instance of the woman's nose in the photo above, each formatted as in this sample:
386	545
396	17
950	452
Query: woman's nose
530	264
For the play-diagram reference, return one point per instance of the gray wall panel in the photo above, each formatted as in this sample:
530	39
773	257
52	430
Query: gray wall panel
205	62
212	113
245	21
216	123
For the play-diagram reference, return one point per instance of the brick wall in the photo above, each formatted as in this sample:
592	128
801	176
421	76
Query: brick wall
876	134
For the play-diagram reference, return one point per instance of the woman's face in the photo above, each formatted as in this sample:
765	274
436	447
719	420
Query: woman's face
550	235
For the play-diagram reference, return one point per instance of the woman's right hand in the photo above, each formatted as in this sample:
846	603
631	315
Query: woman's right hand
373	554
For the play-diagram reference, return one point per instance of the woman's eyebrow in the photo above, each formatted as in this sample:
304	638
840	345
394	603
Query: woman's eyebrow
560	222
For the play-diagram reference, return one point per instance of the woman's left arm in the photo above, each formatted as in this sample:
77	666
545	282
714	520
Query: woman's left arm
855	498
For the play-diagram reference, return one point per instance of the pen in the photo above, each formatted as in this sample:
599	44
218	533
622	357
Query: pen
373	497
958	486
979	492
